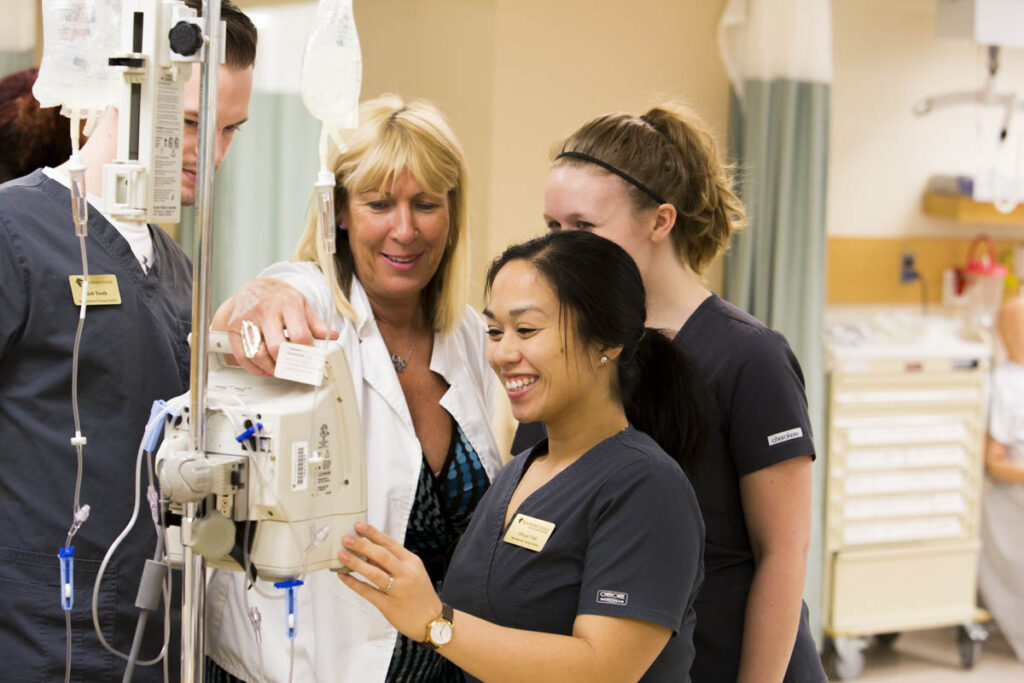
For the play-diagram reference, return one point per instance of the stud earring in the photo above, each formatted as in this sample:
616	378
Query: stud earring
604	360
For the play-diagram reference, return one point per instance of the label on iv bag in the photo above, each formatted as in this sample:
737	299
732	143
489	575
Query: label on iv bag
167	150
103	290
300	363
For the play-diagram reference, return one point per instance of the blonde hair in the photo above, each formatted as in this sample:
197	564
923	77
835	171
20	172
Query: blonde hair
395	136
669	150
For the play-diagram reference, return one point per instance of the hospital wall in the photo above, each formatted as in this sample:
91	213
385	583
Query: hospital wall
887	56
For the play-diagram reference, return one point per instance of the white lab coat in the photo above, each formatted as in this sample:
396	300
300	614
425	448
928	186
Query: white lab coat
1001	565
341	637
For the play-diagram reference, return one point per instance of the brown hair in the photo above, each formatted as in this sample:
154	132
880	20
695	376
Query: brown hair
670	150
240	51
30	137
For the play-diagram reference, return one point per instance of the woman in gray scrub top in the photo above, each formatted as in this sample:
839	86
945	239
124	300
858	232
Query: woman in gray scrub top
653	183
584	558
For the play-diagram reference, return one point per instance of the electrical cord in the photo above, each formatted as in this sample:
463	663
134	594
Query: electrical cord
172	406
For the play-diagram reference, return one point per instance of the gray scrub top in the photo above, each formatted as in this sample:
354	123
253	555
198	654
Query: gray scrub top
628	542
131	354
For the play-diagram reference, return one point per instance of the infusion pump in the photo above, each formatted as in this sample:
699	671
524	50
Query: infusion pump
283	477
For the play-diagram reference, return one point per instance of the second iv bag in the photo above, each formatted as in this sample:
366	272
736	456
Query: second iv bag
78	38
332	66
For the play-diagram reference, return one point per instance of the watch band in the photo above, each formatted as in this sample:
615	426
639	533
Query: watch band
447	615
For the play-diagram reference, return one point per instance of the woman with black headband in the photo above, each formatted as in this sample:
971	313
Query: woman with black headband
654	184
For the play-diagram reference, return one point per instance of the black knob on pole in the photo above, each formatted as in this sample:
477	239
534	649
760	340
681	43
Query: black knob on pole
186	38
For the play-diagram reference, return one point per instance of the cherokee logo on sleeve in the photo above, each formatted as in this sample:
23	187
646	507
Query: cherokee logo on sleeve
606	597
782	437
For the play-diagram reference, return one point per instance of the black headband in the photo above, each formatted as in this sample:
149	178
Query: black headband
608	167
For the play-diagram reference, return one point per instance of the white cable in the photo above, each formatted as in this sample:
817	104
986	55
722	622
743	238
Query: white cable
1006	196
172	406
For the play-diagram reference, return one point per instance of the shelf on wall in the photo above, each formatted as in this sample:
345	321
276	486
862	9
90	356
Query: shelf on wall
958	208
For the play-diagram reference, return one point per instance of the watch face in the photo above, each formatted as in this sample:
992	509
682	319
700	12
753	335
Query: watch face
440	632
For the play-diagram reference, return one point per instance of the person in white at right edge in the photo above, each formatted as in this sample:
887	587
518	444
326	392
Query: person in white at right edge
1001	564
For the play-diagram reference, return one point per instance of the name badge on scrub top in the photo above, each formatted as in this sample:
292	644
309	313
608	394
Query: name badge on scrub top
103	290
529	532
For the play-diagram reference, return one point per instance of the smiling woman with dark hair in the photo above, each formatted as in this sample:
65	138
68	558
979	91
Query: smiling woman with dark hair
583	559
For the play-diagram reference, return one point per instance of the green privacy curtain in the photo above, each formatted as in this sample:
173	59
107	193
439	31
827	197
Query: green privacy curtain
17	36
263	188
778	54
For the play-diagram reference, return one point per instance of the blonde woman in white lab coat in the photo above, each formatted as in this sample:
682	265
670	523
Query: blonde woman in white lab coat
416	353
1001	567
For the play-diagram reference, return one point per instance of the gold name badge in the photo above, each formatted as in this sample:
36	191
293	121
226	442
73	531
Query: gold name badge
103	290
529	532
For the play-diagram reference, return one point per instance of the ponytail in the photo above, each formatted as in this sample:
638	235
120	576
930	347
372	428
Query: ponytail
660	391
707	207
667	154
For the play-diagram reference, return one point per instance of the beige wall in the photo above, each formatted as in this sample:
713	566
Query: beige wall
558	64
887	56
514	76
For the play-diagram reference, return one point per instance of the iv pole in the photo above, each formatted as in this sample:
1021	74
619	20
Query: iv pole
193	569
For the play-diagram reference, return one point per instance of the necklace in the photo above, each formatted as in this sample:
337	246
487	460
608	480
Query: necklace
400	362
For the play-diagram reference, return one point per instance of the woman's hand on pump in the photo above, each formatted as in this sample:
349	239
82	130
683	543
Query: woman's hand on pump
279	312
396	583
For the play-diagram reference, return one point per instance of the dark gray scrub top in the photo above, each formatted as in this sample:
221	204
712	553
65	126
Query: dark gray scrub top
757	411
131	354
628	542
758	417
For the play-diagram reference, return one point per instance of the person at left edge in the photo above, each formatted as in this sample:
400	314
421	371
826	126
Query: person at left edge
131	354
30	137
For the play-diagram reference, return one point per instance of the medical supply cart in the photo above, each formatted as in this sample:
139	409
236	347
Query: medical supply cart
906	429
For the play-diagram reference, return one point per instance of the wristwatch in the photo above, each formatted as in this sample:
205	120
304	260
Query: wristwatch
441	629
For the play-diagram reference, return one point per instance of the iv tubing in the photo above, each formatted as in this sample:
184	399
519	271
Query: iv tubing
80	219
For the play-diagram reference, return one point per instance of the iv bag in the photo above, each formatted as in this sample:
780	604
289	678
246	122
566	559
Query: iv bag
332	66
79	36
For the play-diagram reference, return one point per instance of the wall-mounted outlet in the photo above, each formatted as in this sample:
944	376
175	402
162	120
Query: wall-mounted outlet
908	268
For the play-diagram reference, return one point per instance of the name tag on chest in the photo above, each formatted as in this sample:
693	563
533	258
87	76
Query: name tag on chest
529	532
103	290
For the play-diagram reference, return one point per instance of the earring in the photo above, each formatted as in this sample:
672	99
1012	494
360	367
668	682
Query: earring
604	360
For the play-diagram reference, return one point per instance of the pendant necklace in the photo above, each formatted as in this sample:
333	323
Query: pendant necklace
400	362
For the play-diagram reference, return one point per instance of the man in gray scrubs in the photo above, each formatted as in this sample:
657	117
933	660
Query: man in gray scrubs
133	351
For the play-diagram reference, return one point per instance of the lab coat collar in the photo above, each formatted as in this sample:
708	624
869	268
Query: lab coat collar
444	359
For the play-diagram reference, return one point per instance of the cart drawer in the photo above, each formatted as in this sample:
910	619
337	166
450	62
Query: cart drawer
875	591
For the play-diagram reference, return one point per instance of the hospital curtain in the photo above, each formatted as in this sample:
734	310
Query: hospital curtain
778	54
18	36
263	188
